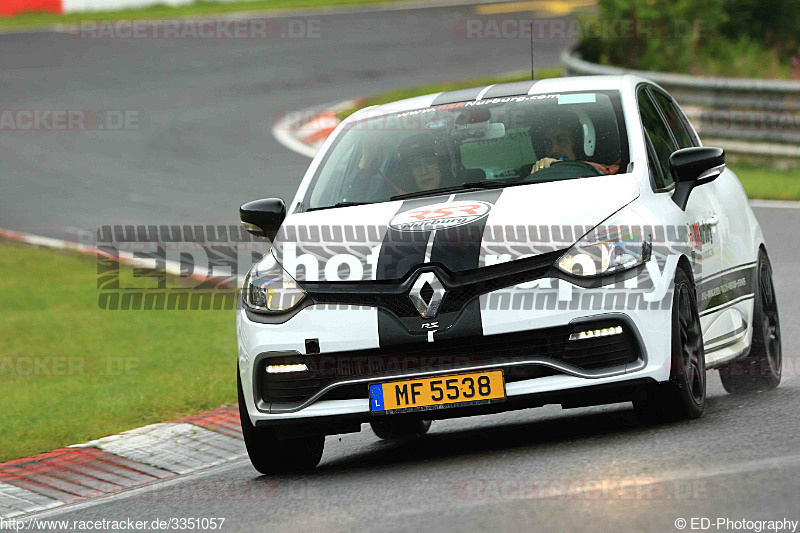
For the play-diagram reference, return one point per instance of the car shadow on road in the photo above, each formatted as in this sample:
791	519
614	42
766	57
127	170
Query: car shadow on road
566	427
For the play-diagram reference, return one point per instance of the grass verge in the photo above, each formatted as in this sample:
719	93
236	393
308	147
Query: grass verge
769	184
197	9
73	372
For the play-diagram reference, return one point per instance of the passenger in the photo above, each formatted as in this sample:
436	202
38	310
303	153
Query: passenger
422	165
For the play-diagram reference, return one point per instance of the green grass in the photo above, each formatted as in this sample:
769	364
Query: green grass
410	92
197	9
99	372
769	184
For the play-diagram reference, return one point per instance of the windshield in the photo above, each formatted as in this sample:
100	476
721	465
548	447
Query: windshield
485	143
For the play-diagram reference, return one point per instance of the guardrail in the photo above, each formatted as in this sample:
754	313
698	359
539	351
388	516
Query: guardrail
758	116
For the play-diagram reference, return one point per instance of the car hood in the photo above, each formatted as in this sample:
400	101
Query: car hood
458	232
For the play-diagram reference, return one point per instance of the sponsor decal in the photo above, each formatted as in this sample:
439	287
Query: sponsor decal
440	216
700	234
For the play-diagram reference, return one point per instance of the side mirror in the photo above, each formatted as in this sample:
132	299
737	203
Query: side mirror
263	218
695	166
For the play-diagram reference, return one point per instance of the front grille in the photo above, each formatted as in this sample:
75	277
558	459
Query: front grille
551	344
460	288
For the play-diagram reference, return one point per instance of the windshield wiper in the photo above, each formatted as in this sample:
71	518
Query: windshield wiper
340	204
484	184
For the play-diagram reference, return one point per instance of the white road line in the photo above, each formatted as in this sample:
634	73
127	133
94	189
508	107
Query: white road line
775	204
634	482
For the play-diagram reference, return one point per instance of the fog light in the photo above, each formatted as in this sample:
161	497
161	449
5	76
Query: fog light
592	333
283	369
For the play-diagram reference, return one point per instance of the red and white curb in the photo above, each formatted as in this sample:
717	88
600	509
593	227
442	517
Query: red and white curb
120	462
304	131
128	258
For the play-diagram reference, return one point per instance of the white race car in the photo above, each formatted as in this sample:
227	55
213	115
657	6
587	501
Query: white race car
564	241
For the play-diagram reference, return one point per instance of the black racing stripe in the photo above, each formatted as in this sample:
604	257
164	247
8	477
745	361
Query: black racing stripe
466	323
719	291
459	249
402	251
469	324
459	95
516	88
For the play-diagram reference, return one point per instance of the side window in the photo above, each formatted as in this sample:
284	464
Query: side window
660	138
675	120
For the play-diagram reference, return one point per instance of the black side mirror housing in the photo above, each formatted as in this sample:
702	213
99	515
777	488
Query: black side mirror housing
263	218
694	166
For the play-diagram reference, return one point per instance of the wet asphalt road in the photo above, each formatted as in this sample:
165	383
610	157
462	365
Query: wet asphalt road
547	469
204	146
200	142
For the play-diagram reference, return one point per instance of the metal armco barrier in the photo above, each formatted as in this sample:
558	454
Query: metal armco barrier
742	110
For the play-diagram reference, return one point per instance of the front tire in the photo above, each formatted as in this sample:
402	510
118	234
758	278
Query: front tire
400	429
684	395
761	369
271	454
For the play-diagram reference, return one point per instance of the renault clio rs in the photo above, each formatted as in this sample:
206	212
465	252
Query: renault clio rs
564	241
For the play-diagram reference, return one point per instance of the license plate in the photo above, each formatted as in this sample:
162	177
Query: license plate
437	392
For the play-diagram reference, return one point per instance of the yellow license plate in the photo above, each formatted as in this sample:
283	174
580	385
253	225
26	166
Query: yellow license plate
434	392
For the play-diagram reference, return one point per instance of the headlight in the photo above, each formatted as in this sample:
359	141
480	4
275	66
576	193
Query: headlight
269	288
605	250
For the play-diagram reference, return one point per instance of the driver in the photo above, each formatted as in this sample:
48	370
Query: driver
560	141
425	163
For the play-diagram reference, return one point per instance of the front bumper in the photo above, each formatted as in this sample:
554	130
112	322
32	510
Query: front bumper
539	373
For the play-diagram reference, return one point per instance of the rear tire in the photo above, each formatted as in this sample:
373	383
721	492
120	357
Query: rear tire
272	455
400	429
762	368
684	395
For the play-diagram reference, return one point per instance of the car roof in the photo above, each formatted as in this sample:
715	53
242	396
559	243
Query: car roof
624	83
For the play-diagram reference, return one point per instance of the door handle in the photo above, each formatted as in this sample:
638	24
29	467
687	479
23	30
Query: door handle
713	220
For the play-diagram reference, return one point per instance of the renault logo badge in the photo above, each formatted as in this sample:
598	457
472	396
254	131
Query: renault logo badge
427	294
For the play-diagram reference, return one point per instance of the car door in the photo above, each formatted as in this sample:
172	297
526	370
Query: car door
665	133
